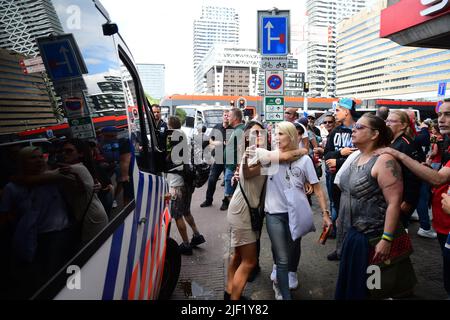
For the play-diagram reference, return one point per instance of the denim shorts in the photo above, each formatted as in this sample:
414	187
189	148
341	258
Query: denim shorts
229	189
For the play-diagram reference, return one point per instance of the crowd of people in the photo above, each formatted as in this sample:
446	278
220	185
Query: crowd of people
54	203
379	170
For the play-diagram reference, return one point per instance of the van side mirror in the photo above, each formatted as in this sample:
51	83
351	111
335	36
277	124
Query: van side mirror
110	29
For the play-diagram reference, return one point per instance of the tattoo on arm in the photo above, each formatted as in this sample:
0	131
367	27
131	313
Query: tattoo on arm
391	164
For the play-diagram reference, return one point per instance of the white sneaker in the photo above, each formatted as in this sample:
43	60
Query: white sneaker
273	275
414	216
115	205
293	280
427	233
277	291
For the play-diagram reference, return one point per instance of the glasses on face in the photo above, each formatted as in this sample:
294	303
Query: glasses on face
328	122
388	121
360	126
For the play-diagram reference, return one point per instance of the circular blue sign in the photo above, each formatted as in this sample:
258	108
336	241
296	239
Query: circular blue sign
274	82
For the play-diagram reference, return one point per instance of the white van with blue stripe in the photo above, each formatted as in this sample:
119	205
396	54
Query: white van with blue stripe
133	257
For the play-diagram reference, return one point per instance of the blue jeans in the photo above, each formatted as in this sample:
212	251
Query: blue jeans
422	206
329	183
442	238
214	174
280	236
229	189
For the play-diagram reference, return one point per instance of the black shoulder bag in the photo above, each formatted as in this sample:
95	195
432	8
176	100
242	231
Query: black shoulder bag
256	215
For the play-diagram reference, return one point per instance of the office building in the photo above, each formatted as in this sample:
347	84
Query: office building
321	67
370	67
231	70
153	78
22	21
217	25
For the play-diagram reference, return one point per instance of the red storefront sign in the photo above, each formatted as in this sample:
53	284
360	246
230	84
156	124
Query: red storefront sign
409	13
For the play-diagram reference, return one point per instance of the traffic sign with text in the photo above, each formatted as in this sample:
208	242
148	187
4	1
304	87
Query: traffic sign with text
274	84
82	128
274	109
274	62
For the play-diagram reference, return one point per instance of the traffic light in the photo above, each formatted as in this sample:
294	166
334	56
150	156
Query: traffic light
241	104
305	87
232	104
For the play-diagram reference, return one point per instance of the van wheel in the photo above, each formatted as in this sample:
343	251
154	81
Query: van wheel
172	266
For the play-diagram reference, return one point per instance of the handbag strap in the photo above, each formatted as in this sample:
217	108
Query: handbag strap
245	197
243	193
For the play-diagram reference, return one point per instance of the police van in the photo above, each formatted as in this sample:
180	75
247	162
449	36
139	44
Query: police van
75	75
197	119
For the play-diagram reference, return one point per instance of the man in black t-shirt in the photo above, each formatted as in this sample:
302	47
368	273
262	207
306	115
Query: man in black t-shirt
217	140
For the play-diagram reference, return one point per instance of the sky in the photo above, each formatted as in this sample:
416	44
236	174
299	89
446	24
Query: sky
161	31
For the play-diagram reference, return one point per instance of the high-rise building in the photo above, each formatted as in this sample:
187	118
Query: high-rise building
22	21
231	70
370	67
153	77
321	67
215	26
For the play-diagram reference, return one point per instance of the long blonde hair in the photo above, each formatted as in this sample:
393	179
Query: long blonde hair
404	119
289	129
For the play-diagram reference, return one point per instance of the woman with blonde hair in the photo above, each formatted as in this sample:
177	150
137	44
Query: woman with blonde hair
288	178
403	140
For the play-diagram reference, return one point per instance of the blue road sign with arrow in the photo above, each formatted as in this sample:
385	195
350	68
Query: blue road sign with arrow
274	30
61	57
442	88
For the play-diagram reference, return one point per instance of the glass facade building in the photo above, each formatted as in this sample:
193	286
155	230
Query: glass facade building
370	67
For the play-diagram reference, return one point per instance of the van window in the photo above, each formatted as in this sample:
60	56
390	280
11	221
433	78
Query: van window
31	251
213	117
144	139
187	116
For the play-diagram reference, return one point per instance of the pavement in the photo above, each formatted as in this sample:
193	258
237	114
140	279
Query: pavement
203	275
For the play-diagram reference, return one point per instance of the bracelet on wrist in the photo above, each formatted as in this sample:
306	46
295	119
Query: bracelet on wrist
327	212
390	235
387	238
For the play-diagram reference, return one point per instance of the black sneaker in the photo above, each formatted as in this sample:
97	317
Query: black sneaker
333	256
196	240
224	206
256	270
206	204
185	249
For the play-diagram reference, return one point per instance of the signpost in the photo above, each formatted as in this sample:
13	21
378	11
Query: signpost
274	109
274	34
33	65
61	57
274	46
441	95
274	85
82	128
